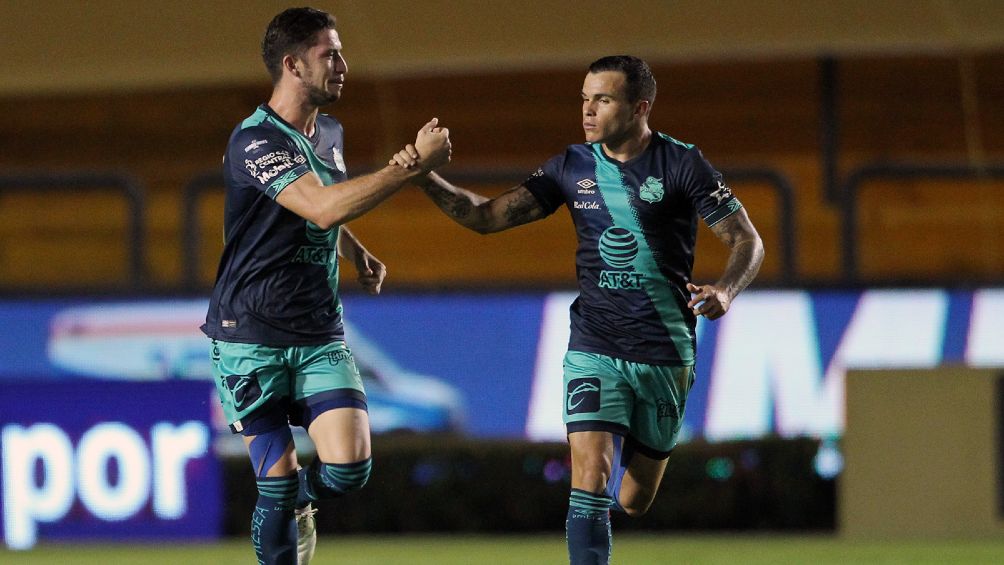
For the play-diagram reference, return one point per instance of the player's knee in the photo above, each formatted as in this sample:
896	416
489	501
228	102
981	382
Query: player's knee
357	477
593	474
330	480
638	504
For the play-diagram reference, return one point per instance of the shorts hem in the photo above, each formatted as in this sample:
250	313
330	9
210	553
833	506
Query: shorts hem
596	426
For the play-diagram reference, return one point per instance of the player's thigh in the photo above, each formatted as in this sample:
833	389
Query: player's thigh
341	435
592	459
598	404
641	482
330	402
251	380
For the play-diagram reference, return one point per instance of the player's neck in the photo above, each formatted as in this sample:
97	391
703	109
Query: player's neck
294	109
630	146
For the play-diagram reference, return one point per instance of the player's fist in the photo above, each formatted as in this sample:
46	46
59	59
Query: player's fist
433	145
371	272
708	301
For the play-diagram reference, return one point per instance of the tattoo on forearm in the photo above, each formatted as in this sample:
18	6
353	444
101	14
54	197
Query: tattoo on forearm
743	265
746	256
520	210
457	206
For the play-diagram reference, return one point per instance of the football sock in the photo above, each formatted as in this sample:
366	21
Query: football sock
273	525
587	528
329	480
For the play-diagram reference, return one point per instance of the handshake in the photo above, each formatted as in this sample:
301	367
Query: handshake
430	151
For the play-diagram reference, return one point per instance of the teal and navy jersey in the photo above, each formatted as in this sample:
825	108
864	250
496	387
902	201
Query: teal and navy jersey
637	226
277	282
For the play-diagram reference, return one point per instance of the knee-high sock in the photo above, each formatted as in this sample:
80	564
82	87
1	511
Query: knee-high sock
587	528
330	480
273	525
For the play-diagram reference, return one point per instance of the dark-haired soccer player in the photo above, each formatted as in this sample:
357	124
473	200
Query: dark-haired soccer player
275	318
634	196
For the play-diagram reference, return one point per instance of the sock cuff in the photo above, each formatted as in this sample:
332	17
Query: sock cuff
280	488
589	503
347	471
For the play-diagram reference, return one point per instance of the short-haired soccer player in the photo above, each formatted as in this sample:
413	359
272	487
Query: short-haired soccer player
634	196
275	319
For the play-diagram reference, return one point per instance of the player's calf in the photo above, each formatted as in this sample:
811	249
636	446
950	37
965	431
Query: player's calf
273	528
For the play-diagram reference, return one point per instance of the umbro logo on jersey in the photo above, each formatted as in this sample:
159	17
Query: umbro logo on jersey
586	183
255	145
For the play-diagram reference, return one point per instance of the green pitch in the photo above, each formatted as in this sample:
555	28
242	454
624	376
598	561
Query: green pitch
545	549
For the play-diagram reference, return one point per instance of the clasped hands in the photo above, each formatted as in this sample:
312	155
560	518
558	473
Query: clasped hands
431	149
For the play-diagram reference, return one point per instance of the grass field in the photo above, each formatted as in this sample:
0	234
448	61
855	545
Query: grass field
527	550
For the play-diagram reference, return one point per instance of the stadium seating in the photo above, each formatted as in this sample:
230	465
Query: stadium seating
762	113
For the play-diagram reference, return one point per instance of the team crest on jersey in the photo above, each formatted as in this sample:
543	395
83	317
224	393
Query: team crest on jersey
339	161
651	190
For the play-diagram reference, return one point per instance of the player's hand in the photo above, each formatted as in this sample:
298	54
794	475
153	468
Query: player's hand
433	146
708	301
405	158
371	272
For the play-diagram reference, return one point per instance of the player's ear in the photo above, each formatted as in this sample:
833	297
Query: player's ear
642	108
291	64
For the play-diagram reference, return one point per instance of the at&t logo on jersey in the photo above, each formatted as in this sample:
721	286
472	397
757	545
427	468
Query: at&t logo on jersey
618	248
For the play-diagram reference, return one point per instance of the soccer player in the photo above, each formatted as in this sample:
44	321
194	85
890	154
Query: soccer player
275	318
634	196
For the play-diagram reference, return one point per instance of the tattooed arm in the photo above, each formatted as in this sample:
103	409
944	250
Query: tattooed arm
514	207
738	233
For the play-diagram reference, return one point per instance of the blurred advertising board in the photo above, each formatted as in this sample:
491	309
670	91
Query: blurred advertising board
108	460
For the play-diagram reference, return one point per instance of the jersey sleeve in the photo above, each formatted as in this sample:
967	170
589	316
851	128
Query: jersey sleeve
545	184
704	186
266	159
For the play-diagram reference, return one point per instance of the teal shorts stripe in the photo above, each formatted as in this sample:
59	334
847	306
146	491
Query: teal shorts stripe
253	379
641	401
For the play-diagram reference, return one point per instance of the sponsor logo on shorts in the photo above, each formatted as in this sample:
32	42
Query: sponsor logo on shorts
583	395
229	323
336	357
244	389
666	409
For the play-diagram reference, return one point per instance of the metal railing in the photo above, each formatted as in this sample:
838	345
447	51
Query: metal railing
895	171
202	184
130	189
785	213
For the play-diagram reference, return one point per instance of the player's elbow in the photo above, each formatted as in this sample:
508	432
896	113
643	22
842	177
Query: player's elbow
327	219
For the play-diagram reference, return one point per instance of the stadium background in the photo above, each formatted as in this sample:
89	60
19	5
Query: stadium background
866	140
